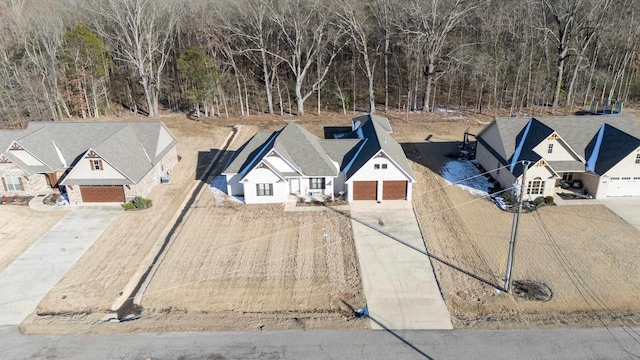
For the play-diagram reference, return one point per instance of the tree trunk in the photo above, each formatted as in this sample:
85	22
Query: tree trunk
267	81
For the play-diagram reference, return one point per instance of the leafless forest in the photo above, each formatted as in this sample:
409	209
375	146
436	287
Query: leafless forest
88	58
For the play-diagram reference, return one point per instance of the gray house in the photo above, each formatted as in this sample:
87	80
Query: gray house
88	161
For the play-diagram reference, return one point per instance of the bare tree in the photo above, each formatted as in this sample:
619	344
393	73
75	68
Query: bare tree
306	32
354	22
431	23
141	33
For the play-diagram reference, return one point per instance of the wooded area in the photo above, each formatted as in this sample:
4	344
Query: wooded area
87	58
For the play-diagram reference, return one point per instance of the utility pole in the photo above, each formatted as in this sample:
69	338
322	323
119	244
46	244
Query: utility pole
514	229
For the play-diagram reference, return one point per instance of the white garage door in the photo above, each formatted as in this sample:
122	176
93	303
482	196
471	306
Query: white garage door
624	186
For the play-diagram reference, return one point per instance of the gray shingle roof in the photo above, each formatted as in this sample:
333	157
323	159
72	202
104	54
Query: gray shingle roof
579	132
296	145
381	120
124	145
312	156
377	139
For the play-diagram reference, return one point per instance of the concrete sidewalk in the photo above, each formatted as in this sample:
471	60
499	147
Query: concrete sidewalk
399	283
31	276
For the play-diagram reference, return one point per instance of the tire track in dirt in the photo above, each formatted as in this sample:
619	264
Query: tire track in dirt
131	307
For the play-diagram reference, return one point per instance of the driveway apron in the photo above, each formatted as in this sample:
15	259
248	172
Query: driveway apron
31	276
398	281
627	208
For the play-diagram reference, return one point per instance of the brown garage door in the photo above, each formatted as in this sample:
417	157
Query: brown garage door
394	190
365	190
102	193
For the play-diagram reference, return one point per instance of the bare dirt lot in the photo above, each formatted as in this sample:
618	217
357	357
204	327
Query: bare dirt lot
584	254
229	267
20	227
235	267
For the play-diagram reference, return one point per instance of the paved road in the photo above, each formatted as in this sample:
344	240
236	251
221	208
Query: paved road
627	208
31	276
432	344
398	281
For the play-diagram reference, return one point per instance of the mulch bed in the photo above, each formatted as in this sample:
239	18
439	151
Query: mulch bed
15	200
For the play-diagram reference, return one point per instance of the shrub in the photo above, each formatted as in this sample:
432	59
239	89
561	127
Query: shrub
137	203
549	200
509	197
539	201
128	206
141	203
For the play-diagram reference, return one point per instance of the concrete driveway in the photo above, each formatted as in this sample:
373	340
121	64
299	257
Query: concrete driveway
31	276
398	281
627	208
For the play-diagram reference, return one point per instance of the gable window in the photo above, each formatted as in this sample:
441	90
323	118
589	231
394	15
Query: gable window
567	176
376	166
638	159
264	189
535	187
12	183
384	166
96	164
550	149
316	183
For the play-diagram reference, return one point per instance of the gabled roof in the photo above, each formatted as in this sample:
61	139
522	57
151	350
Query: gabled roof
295	145
530	136
578	132
608	147
381	120
375	139
312	156
130	147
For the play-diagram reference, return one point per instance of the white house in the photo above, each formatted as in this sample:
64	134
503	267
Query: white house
365	164
603	152
87	161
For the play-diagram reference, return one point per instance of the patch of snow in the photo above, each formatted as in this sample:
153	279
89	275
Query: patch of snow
218	188
465	174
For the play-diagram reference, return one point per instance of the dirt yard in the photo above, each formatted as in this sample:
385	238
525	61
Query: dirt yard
586	255
20	227
235	267
230	267
94	283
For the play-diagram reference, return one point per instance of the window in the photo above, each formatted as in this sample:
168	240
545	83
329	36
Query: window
96	164
567	176
384	166
264	189
638	159
376	166
535	187
550	149
316	183
13	183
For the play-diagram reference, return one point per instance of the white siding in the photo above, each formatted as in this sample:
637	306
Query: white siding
264	176
368	172
625	174
234	187
279	164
